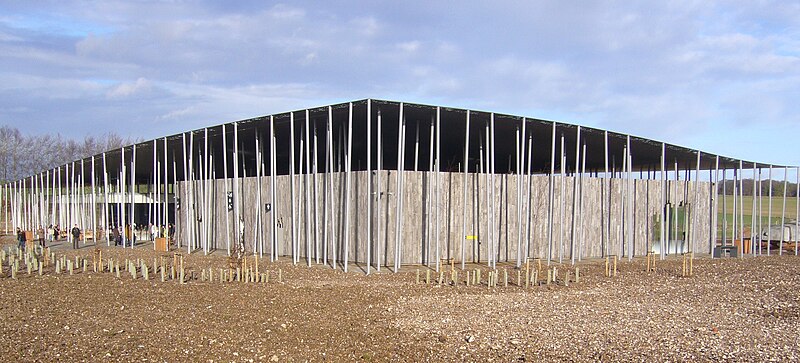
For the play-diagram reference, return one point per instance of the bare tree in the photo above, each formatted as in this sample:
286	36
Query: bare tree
23	155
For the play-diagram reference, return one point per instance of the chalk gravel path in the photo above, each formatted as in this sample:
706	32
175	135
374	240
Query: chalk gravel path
738	310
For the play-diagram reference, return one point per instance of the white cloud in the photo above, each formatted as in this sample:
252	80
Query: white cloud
129	89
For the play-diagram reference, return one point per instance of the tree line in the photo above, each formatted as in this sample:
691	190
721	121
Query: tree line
24	155
747	188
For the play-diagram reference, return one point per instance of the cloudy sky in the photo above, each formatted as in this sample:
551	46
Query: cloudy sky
723	77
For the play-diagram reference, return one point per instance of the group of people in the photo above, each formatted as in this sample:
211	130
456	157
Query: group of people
52	233
132	234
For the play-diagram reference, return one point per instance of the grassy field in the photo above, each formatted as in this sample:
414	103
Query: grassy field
726	212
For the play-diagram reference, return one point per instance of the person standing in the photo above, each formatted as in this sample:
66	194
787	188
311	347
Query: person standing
20	239
76	236
40	234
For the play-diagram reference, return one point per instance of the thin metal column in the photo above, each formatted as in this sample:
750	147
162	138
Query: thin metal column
605	213
105	200
369	186
575	198
238	222
225	184
306	177
273	190
769	214
401	127
436	170
783	210
561	202
550	198
379	193
348	176
464	187
664	227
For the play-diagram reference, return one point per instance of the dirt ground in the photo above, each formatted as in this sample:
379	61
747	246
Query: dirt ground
729	310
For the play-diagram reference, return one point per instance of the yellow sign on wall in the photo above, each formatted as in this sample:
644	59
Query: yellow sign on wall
472	237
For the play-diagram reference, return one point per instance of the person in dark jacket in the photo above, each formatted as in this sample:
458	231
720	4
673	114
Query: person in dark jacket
76	235
20	239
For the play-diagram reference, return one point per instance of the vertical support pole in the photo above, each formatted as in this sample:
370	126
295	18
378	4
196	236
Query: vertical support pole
464	187
295	246
94	208
258	250
629	210
401	127
151	202
436	170
328	198
528	200
769	214
561	202
225	184
580	206
715	207
521	250
379	193
753	222
606	211
348	176
81	194
316	196
133	194
369	186
695	205
783	210
734	211
797	210
273	190
741	206
551	196
236	217
107	225
306	177
122	199
663	223
166	193
575	195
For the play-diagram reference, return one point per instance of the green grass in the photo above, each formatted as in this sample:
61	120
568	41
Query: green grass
747	210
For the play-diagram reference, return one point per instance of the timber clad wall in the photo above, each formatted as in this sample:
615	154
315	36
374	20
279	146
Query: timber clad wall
602	206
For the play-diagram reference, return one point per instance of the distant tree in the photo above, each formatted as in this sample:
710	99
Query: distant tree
24	155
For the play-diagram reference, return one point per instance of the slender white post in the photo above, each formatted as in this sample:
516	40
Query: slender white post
561	201
783	210
401	126
306	177
369	185
464	187
551	195
295	247
575	195
379	194
225	184
769	214
606	213
436	170
274	196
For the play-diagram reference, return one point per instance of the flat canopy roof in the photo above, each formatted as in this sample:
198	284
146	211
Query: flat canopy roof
602	147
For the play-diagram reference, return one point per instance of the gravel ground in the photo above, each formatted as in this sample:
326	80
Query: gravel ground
729	310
